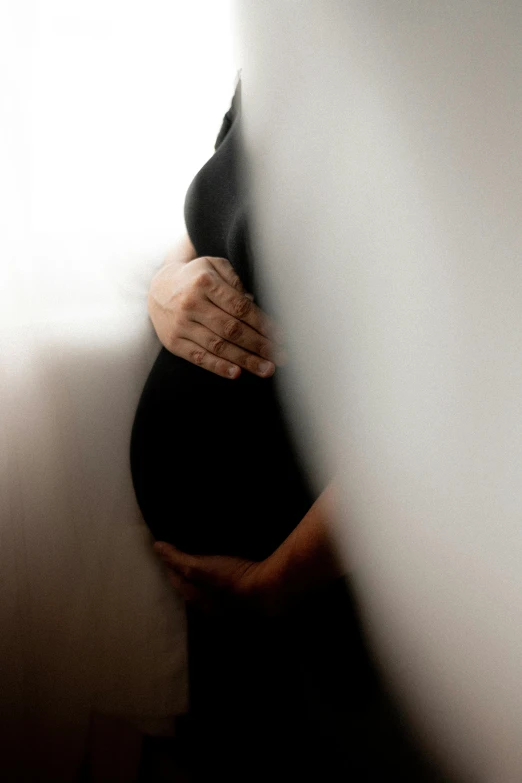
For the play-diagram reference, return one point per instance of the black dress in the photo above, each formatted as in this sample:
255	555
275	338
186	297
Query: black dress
215	472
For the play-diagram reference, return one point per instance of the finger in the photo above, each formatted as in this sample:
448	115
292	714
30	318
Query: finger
233	354
225	269
172	555
203	572
200	356
241	307
233	331
189	567
222	286
225	327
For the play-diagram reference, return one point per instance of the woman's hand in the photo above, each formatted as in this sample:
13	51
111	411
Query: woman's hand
215	584
202	313
304	562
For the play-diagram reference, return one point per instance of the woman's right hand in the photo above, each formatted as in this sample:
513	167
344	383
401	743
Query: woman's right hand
202	313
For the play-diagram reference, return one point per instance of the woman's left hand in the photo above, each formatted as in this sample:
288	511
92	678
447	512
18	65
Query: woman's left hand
216	583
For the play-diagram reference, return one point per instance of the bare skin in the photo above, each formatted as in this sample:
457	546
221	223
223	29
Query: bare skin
303	562
202	313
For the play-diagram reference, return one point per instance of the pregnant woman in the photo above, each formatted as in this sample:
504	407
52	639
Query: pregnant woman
279	677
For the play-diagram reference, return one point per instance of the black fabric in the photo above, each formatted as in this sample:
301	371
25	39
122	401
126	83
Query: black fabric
213	465
215	471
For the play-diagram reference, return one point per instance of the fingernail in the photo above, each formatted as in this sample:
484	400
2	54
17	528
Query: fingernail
265	367
233	372
250	296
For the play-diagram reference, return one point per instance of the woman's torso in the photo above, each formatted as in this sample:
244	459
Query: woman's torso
213	463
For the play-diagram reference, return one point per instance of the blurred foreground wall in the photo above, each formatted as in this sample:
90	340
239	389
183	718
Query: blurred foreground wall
384	146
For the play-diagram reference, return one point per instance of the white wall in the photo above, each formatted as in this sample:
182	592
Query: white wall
107	110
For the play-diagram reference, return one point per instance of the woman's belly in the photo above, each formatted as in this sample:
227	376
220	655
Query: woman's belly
212	463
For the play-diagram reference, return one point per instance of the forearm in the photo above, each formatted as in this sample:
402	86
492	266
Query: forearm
307	559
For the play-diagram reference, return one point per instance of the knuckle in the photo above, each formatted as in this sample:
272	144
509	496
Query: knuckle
217	345
236	283
241	307
204	279
181	323
233	330
262	348
213	288
197	356
189	301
